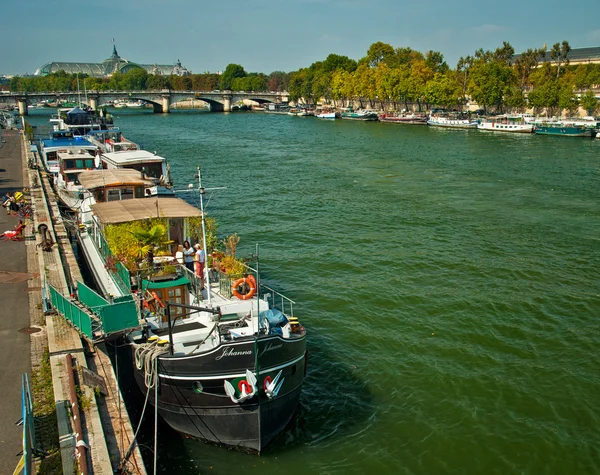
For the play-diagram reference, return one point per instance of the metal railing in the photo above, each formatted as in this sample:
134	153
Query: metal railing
117	270
273	297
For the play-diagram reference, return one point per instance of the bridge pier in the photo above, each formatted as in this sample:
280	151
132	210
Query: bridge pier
227	103
166	104
22	101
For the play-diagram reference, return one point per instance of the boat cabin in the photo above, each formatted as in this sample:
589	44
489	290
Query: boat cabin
114	185
111	140
164	287
63	141
154	166
72	162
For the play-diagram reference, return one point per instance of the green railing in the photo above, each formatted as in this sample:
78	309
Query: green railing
119	315
90	298
78	316
93	316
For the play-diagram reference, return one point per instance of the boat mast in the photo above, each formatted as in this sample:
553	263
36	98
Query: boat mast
207	274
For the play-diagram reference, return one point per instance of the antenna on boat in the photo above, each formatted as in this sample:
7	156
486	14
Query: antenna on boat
202	190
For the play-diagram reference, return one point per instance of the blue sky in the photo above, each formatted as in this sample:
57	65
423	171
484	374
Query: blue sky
269	35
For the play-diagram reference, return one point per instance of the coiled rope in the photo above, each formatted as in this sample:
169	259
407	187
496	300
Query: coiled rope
146	360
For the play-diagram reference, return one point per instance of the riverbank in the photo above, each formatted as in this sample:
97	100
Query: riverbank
106	431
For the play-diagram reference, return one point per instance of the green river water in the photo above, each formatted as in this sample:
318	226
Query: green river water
449	281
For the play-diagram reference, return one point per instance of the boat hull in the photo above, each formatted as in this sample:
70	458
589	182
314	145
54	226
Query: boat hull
453	124
364	117
565	131
403	120
192	399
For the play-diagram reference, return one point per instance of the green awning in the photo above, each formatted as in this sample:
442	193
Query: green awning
164	284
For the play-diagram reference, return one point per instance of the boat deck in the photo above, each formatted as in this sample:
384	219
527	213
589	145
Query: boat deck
96	263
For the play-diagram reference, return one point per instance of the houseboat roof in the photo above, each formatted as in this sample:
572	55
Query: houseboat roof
116	177
140	209
132	157
67	142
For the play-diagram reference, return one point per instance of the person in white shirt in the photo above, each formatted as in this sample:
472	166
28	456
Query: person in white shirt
188	255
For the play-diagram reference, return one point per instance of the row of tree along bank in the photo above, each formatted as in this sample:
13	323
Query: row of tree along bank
495	80
389	77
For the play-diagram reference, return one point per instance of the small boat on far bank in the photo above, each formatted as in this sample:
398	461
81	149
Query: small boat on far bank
362	114
327	115
506	123
452	122
409	119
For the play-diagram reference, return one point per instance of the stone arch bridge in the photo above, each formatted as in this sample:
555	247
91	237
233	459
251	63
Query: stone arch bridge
219	101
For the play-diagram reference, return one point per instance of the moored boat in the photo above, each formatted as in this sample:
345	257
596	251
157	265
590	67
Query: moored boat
62	141
362	114
409	119
222	352
326	114
506	123
452	122
564	129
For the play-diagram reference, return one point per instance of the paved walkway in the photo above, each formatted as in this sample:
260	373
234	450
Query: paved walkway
14	308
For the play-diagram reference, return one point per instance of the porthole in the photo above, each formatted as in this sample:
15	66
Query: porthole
197	387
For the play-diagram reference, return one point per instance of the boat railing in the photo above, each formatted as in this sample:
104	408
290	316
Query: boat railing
117	270
273	297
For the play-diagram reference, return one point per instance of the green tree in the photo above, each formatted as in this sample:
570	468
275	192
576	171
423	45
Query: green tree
443	90
278	81
379	52
504	53
150	240
435	62
420	75
232	71
559	53
589	102
515	99
157	82
135	79
335	62
489	82
525	63
463	68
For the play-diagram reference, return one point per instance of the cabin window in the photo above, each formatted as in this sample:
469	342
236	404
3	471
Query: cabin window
79	164
113	195
99	196
127	194
89	163
139	192
69	164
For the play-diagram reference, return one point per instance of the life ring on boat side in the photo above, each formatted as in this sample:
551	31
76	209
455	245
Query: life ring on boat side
244	288
266	382
158	300
243	384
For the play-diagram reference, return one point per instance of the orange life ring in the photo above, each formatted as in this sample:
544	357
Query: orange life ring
158	301
249	282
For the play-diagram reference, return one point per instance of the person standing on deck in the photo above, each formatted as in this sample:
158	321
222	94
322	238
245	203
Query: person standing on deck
188	255
199	263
